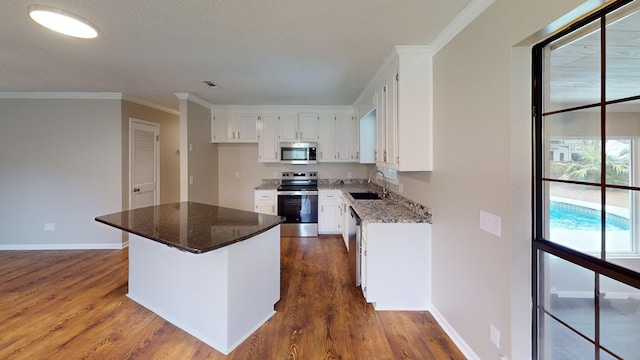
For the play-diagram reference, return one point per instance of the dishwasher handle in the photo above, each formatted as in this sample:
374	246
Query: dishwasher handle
354	215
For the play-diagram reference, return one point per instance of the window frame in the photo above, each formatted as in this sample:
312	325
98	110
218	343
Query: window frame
540	245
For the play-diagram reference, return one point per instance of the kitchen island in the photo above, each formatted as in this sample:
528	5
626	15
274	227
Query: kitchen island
212	271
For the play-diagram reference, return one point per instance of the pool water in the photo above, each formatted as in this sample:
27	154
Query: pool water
571	217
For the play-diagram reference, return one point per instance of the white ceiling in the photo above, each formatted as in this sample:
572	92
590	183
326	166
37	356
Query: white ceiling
258	52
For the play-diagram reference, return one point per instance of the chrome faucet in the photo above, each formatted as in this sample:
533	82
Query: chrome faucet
384	182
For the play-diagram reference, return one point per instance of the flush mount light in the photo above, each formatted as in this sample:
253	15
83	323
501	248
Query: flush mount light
62	22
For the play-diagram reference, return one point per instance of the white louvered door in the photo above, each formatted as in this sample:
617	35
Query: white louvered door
144	163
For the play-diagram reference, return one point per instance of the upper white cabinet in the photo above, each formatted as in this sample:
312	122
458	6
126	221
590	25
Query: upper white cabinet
303	127
402	93
344	138
335	129
326	138
354	145
234	127
268	138
338	138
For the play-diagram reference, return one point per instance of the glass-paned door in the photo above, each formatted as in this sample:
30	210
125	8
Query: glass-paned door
586	253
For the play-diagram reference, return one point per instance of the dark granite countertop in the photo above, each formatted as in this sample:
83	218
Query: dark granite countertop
191	226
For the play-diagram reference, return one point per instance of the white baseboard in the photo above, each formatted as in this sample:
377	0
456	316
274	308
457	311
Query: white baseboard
104	246
453	334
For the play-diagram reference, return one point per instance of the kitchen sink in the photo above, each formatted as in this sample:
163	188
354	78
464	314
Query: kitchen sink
365	195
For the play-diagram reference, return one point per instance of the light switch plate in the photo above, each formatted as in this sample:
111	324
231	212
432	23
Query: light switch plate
490	223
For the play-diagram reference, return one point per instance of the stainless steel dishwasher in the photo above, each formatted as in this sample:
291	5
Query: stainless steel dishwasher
355	236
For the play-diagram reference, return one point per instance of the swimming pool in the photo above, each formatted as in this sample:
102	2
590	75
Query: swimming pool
574	217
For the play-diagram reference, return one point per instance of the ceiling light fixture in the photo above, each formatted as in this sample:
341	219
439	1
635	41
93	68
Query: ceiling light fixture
62	22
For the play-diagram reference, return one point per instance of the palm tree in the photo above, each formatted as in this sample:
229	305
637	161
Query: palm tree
587	166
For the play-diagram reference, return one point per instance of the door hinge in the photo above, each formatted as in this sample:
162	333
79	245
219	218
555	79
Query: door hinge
157	137
397	77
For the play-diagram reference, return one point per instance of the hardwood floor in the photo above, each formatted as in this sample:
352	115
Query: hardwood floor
72	305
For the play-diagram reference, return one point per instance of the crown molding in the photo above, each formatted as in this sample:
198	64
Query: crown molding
396	51
284	108
195	99
462	20
150	104
62	95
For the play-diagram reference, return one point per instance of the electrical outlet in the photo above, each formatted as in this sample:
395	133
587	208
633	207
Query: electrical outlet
349	175
494	336
190	147
400	188
490	223
191	180
49	227
237	175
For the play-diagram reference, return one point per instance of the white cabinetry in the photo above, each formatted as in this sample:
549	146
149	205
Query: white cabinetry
268	138
396	265
266	202
304	127
234	127
326	138
354	143
329	219
338	138
403	95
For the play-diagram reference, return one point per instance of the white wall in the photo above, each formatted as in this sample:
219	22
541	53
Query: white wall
198	156
482	143
60	163
237	192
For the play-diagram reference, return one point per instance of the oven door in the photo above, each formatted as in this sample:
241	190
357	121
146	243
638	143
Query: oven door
298	207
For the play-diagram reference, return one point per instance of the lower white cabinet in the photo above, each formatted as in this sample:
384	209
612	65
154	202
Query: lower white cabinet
329	215
266	202
396	265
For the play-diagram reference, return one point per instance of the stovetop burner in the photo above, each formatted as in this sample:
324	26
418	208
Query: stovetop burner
298	187
299	181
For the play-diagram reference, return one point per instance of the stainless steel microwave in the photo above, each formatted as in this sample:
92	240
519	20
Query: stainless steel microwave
298	153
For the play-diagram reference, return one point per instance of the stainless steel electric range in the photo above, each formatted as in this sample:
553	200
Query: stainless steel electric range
298	203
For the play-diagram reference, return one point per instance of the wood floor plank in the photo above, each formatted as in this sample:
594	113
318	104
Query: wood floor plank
73	305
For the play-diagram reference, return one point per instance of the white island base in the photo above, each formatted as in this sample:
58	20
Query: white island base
220	297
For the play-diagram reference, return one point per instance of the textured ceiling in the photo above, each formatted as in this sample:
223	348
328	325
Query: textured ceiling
575	69
258	52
